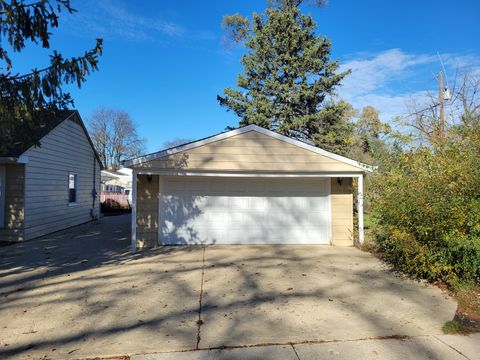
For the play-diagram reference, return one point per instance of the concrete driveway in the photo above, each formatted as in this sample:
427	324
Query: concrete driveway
80	293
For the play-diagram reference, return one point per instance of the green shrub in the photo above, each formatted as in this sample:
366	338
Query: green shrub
426	206
462	254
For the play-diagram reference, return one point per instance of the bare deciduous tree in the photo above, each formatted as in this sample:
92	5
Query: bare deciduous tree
114	136
462	108
175	142
467	99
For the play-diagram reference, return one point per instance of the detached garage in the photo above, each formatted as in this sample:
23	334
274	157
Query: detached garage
245	186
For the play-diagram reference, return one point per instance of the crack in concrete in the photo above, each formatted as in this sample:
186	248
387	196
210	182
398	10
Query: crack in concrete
451	347
292	344
200	321
295	351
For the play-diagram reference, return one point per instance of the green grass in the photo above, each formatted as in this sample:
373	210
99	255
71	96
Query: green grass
369	244
454	327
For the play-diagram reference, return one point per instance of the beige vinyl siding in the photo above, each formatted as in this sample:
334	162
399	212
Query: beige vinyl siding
64	150
250	151
342	212
14	203
147	211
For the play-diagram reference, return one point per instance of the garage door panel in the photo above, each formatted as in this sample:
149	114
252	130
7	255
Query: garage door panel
287	235
256	203
213	202
212	219
237	236
244	211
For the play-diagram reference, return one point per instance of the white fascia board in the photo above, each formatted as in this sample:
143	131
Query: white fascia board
248	174
22	159
108	173
226	135
125	171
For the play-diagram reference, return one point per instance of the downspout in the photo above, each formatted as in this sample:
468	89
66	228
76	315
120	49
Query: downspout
93	213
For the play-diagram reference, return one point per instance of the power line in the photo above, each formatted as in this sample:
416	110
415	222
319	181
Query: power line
443	68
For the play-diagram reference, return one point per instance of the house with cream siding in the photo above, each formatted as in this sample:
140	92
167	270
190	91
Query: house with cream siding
53	186
245	186
117	181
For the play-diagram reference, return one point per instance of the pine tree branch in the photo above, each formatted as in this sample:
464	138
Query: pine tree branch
94	52
65	3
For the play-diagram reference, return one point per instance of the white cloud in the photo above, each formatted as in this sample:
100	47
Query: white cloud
392	80
110	19
373	72
392	106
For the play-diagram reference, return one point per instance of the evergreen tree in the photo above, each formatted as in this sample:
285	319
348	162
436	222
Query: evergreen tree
23	95
289	80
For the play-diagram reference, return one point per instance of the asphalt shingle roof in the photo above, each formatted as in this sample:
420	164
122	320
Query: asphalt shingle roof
46	122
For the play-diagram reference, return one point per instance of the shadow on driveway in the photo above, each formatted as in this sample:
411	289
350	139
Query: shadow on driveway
80	293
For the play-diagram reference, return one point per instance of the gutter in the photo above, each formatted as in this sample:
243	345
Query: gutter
14	160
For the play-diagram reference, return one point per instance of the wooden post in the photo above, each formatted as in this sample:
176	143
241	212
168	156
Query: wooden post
134	212
361	235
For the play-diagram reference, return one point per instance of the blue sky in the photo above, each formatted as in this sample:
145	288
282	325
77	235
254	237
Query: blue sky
165	62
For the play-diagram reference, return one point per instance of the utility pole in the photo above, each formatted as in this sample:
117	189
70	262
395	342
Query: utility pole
441	123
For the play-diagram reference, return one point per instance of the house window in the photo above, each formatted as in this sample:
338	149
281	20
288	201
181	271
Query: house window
72	188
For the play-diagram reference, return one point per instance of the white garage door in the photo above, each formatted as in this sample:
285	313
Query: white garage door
206	210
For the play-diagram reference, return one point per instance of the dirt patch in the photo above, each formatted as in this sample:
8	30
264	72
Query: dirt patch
468	319
467	315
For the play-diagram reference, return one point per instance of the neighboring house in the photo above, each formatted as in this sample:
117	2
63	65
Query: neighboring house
245	186
117	187
49	187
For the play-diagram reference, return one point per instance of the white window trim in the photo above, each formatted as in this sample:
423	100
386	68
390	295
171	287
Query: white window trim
74	203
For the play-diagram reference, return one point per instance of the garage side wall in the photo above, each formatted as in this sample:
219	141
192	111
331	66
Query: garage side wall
147	211
342	212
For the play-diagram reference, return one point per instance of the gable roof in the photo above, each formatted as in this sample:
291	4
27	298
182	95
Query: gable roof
242	130
47	122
